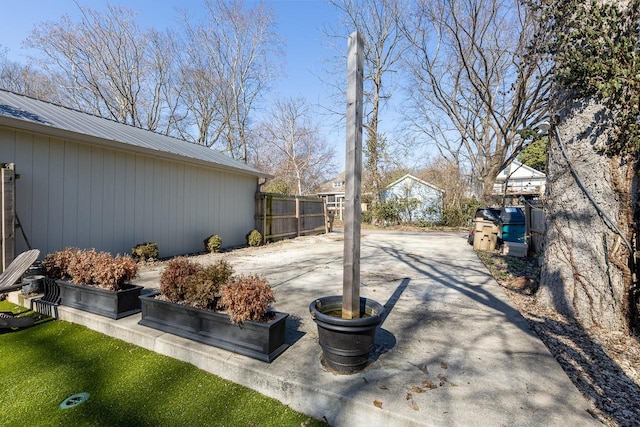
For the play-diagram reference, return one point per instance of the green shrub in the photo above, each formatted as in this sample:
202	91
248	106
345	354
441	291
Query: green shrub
175	277
247	298
145	251
388	211
213	243
254	238
202	289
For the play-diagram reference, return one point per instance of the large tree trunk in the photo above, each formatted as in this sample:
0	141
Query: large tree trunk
586	271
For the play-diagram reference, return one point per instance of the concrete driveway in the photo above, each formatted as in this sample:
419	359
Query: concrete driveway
452	350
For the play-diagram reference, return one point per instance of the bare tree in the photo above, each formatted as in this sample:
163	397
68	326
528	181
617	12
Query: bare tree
107	65
26	80
378	22
446	175
229	63
299	157
474	82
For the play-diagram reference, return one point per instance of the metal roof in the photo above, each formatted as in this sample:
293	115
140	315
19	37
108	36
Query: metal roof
23	112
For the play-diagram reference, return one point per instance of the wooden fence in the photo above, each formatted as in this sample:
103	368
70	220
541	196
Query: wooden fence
282	217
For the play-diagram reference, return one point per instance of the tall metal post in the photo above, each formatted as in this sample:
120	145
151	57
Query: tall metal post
351	276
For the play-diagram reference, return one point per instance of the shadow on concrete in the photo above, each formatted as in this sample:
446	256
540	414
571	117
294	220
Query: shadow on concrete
293	332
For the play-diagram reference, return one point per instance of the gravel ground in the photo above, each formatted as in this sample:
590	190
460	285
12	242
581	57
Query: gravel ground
604	366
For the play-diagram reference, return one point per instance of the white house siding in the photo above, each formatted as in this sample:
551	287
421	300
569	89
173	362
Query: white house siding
86	196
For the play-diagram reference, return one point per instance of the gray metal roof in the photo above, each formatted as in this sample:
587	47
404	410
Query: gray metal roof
30	114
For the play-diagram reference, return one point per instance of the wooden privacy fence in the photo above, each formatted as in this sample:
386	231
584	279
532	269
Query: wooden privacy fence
281	217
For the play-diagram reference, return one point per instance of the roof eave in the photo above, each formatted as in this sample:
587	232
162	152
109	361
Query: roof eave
47	130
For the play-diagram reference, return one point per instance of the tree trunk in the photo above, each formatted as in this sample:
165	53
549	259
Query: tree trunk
586	271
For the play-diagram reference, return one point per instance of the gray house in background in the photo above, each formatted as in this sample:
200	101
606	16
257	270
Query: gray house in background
420	200
89	182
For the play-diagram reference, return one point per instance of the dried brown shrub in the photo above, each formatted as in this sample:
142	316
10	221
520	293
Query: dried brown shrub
202	289
175	277
56	263
81	266
247	298
88	267
113	273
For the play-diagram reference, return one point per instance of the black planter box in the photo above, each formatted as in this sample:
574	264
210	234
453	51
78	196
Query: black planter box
259	340
103	302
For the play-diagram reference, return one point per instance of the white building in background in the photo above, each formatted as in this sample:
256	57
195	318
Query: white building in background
518	179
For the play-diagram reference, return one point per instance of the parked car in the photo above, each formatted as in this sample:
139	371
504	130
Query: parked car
487	214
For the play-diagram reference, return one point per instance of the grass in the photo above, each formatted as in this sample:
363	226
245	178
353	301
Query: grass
128	385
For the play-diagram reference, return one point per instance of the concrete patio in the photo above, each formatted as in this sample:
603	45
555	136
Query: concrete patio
452	350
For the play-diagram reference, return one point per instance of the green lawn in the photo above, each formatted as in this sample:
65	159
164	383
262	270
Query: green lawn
129	386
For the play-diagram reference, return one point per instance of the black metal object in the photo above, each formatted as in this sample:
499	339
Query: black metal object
48	303
259	340
8	320
346	343
103	302
32	284
489	214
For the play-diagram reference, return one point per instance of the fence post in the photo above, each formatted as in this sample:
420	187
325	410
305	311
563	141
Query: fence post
298	225
8	213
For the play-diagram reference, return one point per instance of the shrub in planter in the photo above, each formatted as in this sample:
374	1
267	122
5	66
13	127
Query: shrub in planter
175	276
191	303
109	293
247	298
213	243
88	267
55	264
113	273
254	238
81	266
202	290
144	251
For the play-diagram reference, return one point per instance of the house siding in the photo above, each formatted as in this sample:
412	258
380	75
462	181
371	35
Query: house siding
72	193
429	198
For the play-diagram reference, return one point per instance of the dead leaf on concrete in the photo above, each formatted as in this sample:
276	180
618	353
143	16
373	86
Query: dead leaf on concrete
443	365
409	396
414	405
377	404
423	368
416	389
442	379
428	384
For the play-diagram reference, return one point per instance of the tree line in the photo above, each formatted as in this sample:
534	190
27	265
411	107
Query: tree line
460	69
